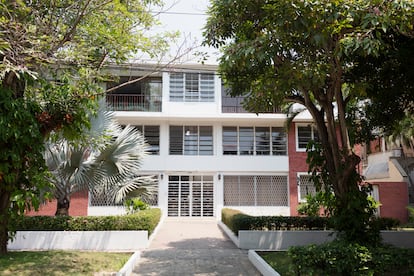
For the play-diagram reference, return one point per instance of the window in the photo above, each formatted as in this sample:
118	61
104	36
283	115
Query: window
279	141
255	190
254	141
101	196
191	140
191	87
306	187
152	137
305	134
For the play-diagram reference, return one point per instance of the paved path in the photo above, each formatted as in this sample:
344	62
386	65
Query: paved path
193	246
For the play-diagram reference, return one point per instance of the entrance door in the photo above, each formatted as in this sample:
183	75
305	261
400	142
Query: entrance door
191	196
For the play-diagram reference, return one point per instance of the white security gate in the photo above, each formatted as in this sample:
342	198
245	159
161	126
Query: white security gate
190	196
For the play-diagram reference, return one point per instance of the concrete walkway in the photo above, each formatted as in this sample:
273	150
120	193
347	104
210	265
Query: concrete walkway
193	246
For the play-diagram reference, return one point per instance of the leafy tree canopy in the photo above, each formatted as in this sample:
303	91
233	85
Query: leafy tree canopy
51	56
306	52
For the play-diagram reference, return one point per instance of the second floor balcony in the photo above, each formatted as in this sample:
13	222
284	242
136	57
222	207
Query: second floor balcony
133	102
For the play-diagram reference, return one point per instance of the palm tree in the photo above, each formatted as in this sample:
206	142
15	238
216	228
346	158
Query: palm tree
108	163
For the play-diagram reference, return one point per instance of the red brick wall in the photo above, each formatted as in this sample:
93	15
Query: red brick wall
78	206
297	163
394	199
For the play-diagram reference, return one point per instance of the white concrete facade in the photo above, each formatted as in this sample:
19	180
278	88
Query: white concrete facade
216	165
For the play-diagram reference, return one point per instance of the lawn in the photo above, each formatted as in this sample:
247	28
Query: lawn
61	262
403	263
279	261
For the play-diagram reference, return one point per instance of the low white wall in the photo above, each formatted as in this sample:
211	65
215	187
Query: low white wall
281	240
264	268
80	240
404	239
106	210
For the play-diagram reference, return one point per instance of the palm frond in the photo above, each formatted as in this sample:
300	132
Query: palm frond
125	154
143	186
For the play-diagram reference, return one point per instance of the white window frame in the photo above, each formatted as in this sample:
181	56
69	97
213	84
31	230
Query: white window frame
313	129
205	91
254	150
198	147
298	182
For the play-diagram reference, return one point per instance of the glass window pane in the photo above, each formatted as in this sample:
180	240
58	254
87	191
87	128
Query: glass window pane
304	136
176	87
207	87
206	140
279	141
190	140
152	136
176	140
229	140
262	140
246	140
191	87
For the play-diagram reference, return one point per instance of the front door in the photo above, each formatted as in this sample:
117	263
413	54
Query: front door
190	196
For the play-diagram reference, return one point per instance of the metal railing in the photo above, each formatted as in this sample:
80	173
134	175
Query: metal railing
130	102
240	109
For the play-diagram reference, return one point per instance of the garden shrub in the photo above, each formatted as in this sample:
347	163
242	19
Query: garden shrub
236	220
143	220
343	258
135	204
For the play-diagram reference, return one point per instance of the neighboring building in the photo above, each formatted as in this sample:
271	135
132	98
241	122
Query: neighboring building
207	151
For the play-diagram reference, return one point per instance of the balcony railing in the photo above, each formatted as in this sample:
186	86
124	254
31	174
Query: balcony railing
240	109
235	105
128	102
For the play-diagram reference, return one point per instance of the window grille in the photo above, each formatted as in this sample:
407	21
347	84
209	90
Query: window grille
254	141
100	197
257	190
191	140
191	196
306	186
191	87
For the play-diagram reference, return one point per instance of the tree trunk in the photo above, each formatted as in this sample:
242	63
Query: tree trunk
4	218
62	206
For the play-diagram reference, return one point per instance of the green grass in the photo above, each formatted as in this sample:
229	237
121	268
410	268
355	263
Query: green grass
279	261
61	262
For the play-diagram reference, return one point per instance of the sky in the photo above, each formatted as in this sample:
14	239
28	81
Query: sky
188	17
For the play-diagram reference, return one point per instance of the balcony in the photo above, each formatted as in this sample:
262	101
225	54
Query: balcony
235	105
133	102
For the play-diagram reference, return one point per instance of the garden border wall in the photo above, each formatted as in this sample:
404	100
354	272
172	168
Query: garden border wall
282	240
80	240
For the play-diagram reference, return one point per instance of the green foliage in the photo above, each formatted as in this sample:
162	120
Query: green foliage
237	220
410	214
352	210
134	205
52	55
353	217
22	167
310	53
144	220
315	204
343	258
